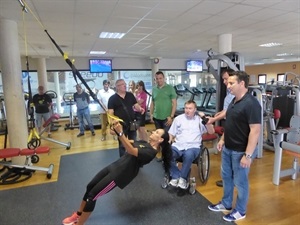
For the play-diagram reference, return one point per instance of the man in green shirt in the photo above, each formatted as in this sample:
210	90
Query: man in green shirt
163	104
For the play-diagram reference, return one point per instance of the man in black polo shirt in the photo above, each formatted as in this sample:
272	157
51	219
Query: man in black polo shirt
121	104
238	145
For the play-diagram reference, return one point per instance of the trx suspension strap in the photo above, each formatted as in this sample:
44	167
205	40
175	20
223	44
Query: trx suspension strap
74	70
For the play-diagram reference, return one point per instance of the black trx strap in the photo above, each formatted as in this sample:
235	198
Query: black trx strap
30	108
75	71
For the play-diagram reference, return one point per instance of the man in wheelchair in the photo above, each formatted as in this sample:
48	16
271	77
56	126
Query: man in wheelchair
186	133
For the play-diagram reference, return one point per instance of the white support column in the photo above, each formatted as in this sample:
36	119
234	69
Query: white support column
12	87
42	73
225	43
154	66
57	90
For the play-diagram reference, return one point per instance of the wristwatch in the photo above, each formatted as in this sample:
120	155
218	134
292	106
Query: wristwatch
120	134
248	156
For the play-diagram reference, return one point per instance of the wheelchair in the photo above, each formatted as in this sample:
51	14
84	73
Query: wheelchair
203	167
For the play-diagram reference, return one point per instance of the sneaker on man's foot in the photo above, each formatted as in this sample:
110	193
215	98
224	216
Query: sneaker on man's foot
218	208
80	134
234	216
173	182
93	133
182	183
103	138
71	219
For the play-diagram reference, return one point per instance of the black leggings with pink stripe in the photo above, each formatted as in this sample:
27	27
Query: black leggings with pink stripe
100	185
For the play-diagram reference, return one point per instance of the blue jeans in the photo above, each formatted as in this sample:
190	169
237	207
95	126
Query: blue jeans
84	113
233	175
188	156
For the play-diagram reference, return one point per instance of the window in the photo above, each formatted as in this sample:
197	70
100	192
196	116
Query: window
280	77
262	78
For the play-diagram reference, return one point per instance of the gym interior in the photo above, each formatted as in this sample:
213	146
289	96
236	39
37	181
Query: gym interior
274	177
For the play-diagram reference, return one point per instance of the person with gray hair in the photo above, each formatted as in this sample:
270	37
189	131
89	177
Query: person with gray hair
82	100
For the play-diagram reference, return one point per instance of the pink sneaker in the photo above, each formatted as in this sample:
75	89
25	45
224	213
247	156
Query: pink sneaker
71	219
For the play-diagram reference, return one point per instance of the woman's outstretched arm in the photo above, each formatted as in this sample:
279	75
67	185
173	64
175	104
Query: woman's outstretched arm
126	143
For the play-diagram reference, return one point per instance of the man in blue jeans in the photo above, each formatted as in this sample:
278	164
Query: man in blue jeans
238	145
186	132
82	100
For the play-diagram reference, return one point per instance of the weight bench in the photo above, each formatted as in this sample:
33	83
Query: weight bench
47	125
13	173
291	146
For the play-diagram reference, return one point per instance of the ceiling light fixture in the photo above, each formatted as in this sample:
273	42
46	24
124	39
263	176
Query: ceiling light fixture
279	59
271	44
284	54
97	52
111	35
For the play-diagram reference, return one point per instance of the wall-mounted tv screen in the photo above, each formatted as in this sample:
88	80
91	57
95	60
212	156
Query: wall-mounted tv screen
100	65
194	66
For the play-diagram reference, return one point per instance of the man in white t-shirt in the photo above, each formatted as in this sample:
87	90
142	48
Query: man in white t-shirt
103	96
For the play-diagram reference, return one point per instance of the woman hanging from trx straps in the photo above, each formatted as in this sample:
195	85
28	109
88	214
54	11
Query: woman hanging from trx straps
123	171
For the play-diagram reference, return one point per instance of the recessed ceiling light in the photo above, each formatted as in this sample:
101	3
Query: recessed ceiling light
271	44
284	54
279	59
97	52
111	35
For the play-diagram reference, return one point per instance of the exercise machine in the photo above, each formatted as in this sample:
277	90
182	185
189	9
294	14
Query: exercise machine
53	95
291	146
13	173
69	100
47	124
34	138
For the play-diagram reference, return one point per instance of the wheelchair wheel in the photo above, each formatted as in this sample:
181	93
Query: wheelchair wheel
203	165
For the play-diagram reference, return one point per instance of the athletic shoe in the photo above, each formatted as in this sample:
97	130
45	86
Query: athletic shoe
49	135
93	133
218	208
103	138
80	134
234	216
71	219
182	183
173	182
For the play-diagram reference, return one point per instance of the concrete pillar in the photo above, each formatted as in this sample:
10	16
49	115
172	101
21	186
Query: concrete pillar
154	66
42	73
225	43
12	87
57	90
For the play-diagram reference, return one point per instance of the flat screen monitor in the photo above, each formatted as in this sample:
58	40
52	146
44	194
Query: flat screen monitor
100	65
194	66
